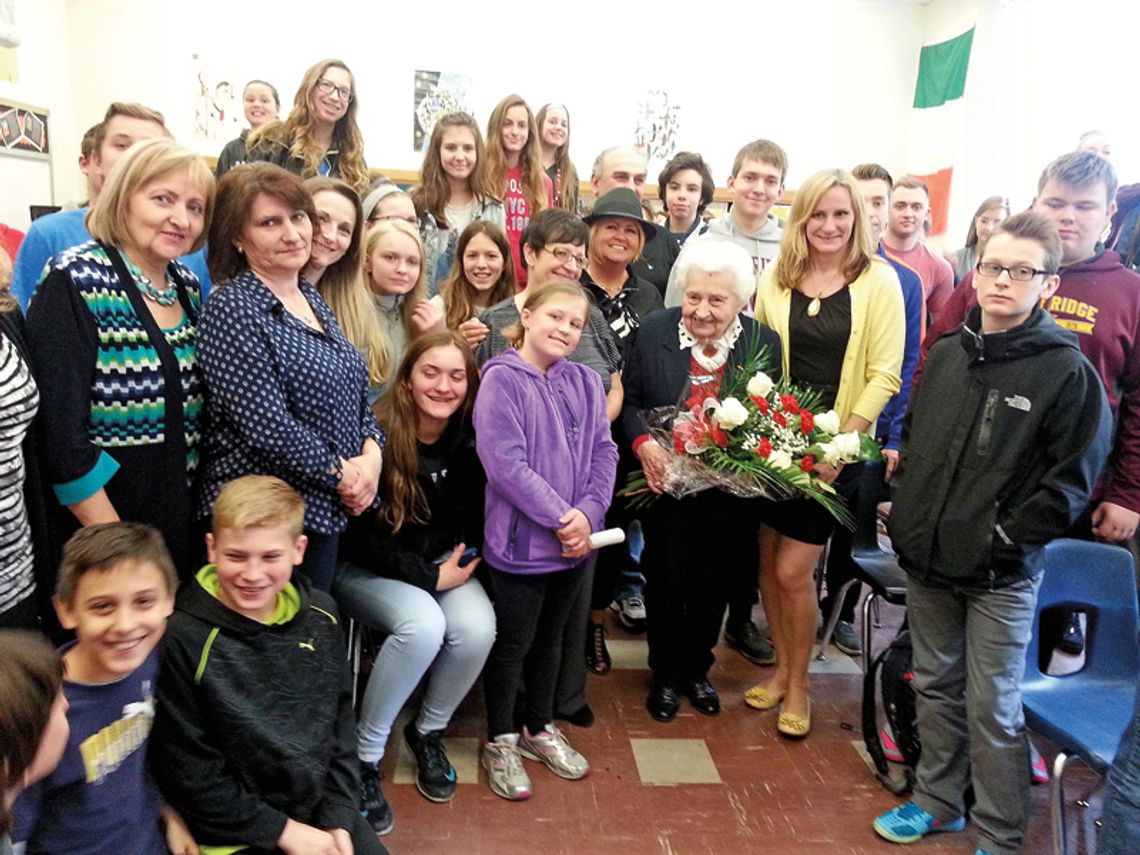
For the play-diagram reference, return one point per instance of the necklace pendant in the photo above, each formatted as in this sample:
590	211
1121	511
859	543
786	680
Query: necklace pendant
813	307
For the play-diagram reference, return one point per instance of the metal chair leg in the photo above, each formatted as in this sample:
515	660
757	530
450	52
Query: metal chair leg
355	643
833	618
867	601
877	619
1057	802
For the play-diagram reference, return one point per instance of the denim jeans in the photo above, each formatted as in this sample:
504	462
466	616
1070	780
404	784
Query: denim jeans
446	634
969	656
1120	834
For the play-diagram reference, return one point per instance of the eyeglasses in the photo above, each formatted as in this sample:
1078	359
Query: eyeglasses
327	87
383	218
565	255
1018	273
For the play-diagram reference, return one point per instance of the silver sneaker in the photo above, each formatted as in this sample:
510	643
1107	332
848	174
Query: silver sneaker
505	772
549	746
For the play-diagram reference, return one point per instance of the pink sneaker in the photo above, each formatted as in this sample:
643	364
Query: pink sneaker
1038	771
890	749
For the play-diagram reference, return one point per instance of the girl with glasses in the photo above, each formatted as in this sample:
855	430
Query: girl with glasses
321	136
449	197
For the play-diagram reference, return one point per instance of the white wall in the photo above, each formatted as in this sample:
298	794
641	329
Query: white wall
1041	73
44	71
831	80
803	74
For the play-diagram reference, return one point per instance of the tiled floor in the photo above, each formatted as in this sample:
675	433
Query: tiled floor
696	786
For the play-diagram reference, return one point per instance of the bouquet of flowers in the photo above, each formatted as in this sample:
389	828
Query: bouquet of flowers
753	437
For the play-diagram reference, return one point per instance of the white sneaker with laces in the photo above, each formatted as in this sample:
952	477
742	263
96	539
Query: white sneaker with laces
549	746
505	773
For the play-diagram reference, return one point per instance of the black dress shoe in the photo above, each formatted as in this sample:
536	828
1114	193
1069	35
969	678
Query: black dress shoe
663	703
703	697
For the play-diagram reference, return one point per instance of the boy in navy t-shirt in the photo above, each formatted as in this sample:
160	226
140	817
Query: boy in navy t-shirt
116	590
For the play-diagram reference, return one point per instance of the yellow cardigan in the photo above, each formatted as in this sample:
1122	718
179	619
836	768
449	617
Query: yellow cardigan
872	364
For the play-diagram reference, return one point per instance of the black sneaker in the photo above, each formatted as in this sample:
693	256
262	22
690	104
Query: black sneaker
750	643
1072	639
373	806
435	776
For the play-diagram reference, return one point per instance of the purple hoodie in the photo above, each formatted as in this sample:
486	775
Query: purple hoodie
545	444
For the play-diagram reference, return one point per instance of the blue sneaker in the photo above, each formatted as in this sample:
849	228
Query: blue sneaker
909	823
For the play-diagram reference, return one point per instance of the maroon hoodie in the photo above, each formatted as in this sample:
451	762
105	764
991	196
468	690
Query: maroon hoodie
1099	300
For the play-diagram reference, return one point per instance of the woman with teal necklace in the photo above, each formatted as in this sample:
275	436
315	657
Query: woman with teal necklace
112	332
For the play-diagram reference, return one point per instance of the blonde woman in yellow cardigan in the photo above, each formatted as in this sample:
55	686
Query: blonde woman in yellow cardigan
838	310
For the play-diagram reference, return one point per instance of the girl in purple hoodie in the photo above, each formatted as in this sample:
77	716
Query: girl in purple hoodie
544	439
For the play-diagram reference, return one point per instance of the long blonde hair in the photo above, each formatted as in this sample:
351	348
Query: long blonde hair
530	158
342	286
794	260
419	290
298	132
566	176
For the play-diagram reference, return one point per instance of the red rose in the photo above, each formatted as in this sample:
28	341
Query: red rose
719	437
808	463
764	449
789	404
807	422
779	419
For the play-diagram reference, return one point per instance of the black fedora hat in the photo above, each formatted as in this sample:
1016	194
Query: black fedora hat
620	202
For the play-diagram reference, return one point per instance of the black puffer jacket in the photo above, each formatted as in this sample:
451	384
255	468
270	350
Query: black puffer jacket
1001	447
254	723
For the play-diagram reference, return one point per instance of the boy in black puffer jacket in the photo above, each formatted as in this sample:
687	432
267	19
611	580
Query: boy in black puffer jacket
1002	445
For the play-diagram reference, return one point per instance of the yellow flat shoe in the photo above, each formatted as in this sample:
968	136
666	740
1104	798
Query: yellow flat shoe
760	698
796	726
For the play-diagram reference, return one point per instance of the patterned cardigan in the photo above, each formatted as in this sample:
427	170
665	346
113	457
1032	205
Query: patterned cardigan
120	412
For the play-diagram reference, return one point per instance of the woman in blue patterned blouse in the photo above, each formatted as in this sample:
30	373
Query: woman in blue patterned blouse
112	331
286	390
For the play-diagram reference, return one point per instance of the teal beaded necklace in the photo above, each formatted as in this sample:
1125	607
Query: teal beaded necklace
163	296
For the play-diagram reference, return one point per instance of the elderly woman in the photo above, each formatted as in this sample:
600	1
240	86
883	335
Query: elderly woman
112	332
838	309
320	136
678	352
287	390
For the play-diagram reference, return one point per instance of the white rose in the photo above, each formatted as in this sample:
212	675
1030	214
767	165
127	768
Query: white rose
730	414
760	385
847	444
830	454
828	421
780	459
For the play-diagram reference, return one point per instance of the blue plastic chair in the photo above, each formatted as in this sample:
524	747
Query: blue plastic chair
1085	713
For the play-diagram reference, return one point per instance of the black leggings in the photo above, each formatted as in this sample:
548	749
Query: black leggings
531	611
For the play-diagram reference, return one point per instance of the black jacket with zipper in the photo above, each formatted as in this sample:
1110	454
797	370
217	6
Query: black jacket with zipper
1001	447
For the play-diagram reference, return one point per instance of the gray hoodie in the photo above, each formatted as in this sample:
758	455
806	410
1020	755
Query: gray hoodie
763	246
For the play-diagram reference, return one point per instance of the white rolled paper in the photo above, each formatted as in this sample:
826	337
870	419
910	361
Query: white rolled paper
608	537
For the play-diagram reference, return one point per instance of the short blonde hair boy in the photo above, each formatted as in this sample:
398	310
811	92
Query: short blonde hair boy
258	501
